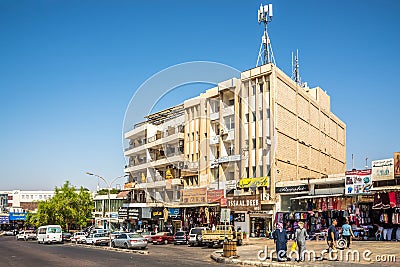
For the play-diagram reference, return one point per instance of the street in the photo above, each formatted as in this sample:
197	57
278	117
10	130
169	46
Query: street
29	253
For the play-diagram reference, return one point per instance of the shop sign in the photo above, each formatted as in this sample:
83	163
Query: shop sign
114	215
291	189
215	195
198	195
176	182
358	182
396	156
239	217
257	182
383	169
230	185
129	185
4	220
146	213
157	213
134	213
174	212
123	213
223	202
17	216
244	203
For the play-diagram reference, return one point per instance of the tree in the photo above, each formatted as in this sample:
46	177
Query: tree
68	207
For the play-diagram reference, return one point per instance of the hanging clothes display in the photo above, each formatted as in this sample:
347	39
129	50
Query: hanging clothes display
392	199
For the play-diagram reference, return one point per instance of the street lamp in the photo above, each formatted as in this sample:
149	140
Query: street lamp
108	188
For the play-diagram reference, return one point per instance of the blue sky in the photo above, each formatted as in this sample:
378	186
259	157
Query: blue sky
68	70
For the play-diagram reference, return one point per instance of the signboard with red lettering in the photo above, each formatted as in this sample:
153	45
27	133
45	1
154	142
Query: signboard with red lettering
215	195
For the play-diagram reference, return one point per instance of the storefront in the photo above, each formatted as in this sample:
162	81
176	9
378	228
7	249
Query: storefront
247	215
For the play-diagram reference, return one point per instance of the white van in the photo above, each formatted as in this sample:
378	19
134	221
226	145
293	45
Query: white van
49	234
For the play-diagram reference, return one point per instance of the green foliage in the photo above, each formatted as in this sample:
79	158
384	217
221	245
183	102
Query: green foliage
67	207
105	191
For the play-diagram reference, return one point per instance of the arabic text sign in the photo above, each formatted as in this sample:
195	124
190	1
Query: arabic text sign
382	169
258	182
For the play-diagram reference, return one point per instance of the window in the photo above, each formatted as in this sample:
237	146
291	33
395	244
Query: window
247	117
254	143
261	88
254	171
246	172
254	116
23	196
260	142
230	122
231	102
261	114
261	170
253	89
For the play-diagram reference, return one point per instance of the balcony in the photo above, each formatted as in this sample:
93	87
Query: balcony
228	110
229	158
214	116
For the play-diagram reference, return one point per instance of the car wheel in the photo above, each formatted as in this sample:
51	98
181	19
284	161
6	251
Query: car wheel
166	242
126	245
113	244
174	243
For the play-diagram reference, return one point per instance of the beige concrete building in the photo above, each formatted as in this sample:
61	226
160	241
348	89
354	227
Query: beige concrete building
256	134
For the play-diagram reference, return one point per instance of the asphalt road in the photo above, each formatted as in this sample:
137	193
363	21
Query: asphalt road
30	253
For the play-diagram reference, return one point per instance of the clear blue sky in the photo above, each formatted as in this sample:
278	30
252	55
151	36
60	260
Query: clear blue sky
68	70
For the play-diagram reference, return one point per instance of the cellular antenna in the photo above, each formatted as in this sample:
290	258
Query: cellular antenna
296	70
265	54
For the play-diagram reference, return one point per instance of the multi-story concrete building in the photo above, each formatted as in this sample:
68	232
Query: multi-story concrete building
255	135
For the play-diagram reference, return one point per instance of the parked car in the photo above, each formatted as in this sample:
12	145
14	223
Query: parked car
66	236
162	238
11	232
113	235
97	239
26	235
78	237
129	240
147	235
181	237
195	236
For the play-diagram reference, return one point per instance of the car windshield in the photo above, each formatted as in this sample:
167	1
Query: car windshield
196	231
134	236
54	230
180	234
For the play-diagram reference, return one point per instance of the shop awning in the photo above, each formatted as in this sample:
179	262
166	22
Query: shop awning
386	188
123	194
192	205
316	196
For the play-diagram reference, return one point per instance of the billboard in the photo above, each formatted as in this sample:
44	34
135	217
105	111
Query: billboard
358	182
383	169
396	157
17	216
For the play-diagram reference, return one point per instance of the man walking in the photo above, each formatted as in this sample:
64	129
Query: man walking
300	238
332	236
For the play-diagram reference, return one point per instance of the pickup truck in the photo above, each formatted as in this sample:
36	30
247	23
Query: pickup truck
217	237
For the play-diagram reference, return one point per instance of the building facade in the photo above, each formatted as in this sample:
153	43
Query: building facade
247	137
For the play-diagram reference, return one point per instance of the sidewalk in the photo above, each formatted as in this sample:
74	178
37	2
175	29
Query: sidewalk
371	253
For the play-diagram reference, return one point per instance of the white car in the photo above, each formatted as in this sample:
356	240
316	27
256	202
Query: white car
79	237
97	239
26	235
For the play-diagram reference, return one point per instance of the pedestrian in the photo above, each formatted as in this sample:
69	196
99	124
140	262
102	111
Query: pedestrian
300	238
347	233
332	236
280	239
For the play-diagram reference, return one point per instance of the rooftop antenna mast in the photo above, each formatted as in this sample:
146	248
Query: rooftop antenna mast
296	71
265	54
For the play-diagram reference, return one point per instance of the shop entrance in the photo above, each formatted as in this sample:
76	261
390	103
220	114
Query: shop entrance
260	226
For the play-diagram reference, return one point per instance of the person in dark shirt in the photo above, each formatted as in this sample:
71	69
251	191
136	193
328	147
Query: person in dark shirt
280	239
332	235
